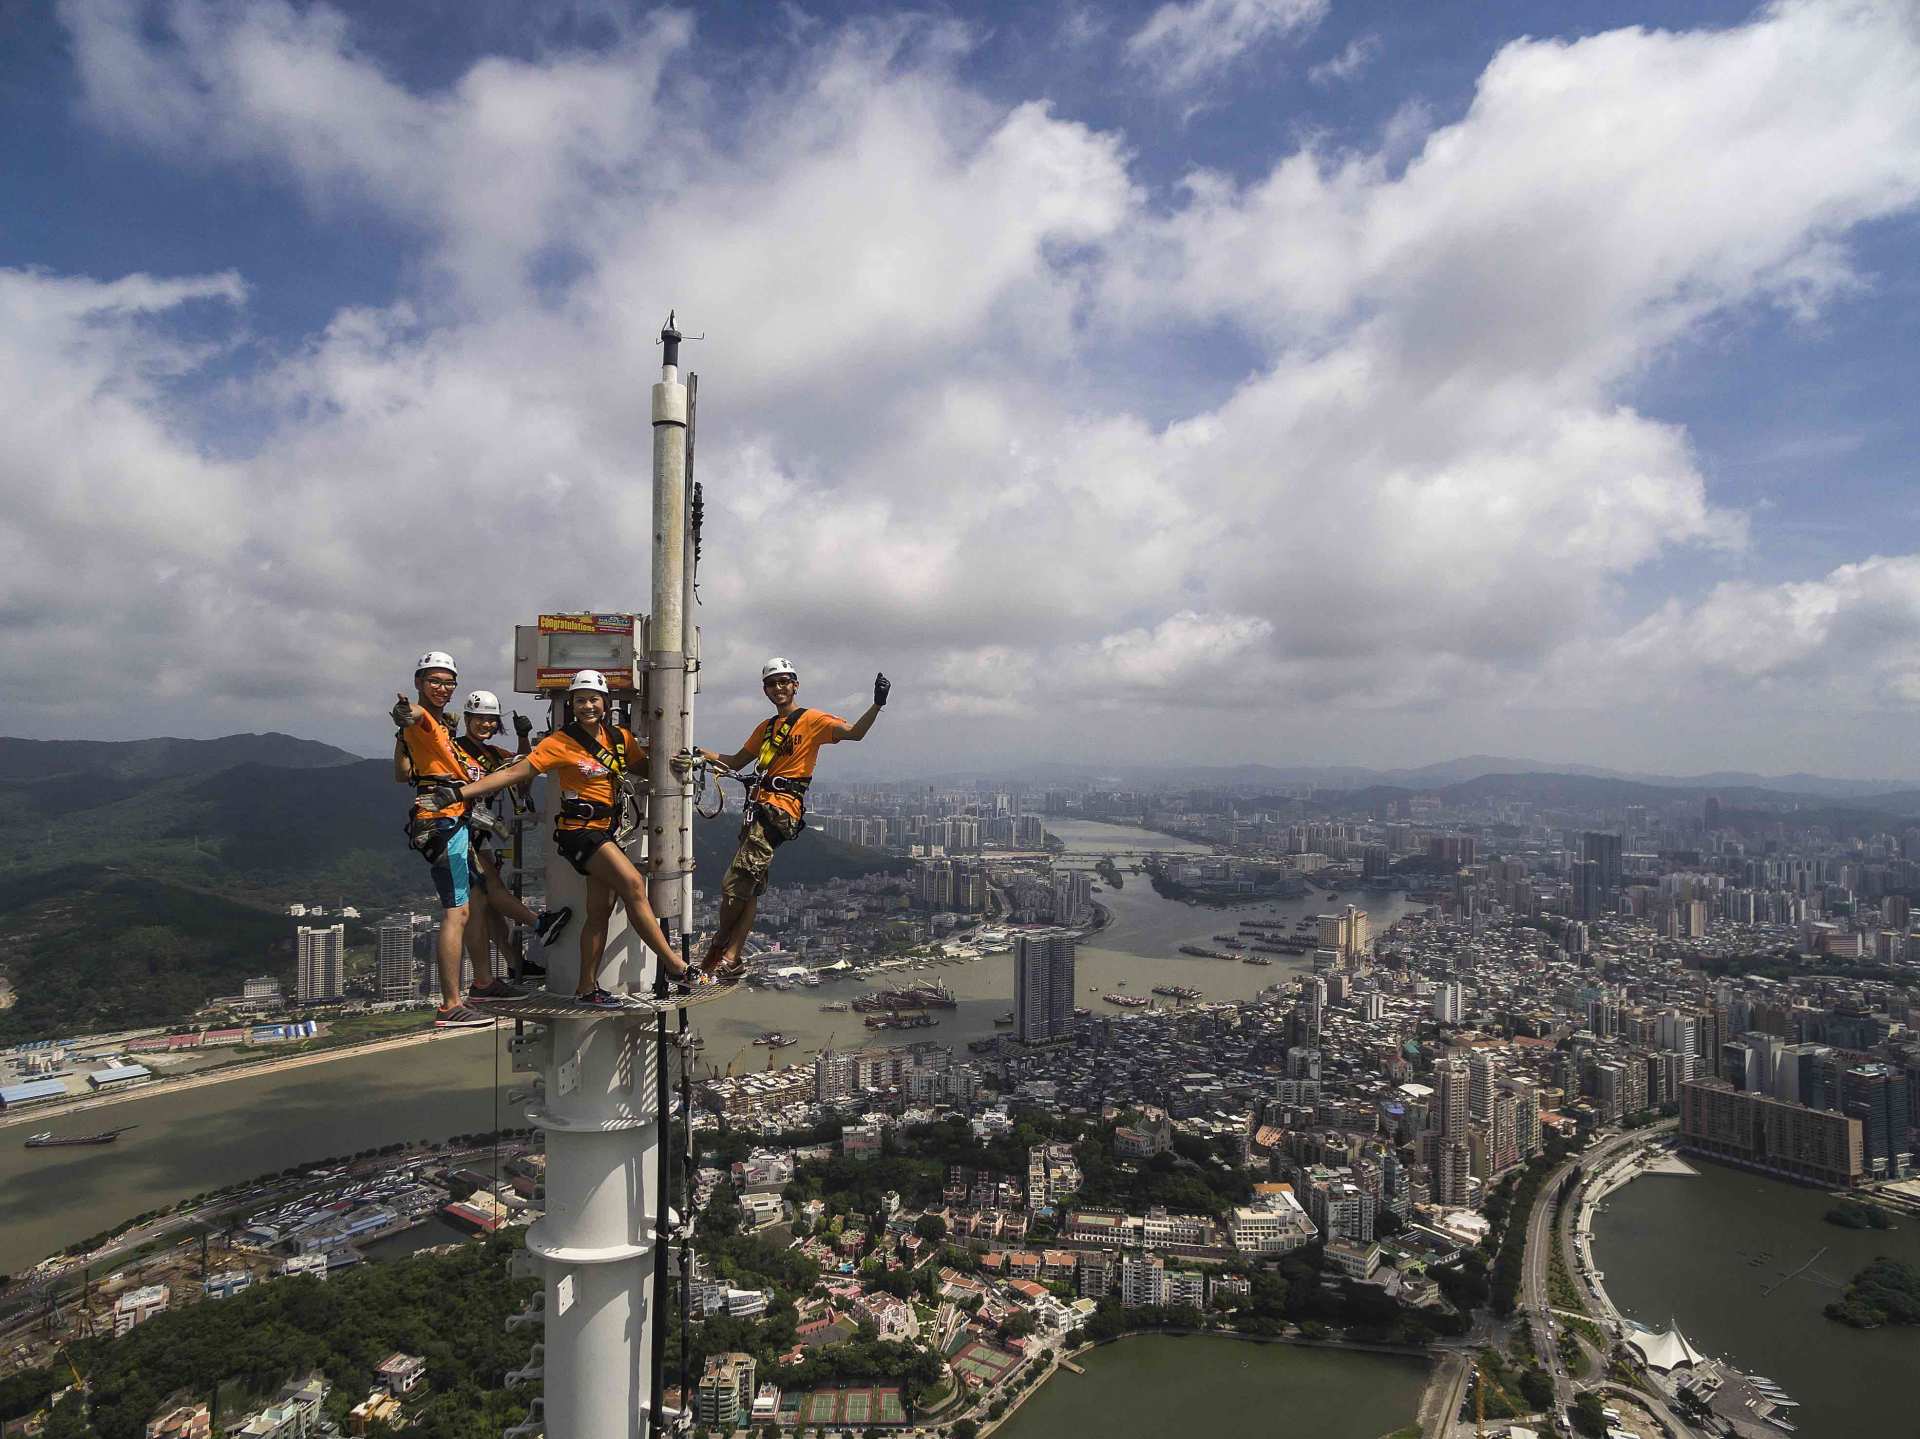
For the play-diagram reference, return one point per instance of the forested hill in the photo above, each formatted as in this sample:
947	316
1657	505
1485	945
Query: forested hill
135	885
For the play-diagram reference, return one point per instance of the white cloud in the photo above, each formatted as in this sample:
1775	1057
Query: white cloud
1183	656
1347	65
1191	43
919	452
1848	640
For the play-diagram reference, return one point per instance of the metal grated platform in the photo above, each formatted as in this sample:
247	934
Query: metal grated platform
561	1006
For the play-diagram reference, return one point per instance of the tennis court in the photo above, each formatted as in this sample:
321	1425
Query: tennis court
857	1408
983	1365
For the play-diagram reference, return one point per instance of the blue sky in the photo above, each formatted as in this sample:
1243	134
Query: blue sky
1252	378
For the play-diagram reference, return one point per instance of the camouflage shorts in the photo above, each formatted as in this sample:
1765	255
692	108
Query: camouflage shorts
746	877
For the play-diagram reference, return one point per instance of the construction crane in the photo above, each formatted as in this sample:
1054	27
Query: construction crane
736	1059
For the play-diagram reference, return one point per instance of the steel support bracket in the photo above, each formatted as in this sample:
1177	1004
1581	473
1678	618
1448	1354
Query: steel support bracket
533	1371
534	1313
534	1423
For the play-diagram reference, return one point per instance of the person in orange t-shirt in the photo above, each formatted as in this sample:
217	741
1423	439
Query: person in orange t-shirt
493	900
784	747
424	757
589	760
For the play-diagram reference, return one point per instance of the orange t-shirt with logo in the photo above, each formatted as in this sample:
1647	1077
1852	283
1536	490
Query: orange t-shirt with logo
579	772
797	756
490	757
429	743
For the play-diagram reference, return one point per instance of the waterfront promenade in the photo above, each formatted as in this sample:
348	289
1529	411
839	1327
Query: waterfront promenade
244	1069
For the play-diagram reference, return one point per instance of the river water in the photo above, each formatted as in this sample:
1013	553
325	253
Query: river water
1154	1386
1683	1249
202	1139
1137	950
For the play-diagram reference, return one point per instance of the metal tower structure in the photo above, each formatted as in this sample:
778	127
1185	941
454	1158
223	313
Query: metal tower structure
602	1096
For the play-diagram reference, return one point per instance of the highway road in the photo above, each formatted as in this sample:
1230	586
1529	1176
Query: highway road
1535	1302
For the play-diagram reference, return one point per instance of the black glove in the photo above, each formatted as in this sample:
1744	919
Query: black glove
881	685
402	711
522	726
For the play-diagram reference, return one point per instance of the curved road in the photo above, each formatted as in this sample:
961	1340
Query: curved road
1534	1298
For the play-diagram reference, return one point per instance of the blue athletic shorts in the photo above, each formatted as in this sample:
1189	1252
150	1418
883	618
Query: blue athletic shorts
451	873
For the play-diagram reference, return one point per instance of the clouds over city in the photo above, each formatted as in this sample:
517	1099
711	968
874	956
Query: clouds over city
936	432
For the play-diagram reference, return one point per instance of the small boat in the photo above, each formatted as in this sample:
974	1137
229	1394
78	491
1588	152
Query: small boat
49	1140
1004	1019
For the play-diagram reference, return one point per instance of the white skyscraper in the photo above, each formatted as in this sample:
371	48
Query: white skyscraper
1042	985
323	955
396	959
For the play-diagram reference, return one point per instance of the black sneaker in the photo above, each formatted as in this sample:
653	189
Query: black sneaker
531	969
458	1016
550	923
496	989
600	999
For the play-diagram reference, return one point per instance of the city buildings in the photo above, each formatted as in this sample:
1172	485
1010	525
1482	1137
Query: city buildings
724	1396
1348	934
322	959
1876	1096
1813	1146
137	1306
394	975
1043	985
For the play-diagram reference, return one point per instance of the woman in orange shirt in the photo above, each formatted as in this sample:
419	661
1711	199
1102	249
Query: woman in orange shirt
589	759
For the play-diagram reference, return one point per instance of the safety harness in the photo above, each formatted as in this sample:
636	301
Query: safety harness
612	758
429	836
482	754
780	825
488	826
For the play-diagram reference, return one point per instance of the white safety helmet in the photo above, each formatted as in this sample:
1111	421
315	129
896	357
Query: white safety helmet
588	680
437	660
483	702
777	666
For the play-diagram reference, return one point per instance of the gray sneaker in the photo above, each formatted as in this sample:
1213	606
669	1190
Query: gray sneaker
496	989
458	1016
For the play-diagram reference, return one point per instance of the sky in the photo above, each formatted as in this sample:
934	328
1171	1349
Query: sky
1215	381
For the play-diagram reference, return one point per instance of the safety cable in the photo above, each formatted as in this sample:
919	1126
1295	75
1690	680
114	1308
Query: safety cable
705	770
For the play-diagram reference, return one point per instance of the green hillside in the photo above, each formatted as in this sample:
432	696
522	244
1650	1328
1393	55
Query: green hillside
135	886
89	947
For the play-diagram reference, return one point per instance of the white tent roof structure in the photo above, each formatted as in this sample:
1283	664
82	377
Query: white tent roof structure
1664	1351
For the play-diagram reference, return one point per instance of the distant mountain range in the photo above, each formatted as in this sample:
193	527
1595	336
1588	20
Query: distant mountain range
150	759
138	879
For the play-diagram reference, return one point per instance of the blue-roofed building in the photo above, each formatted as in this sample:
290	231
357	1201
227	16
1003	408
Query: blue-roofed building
34	1091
